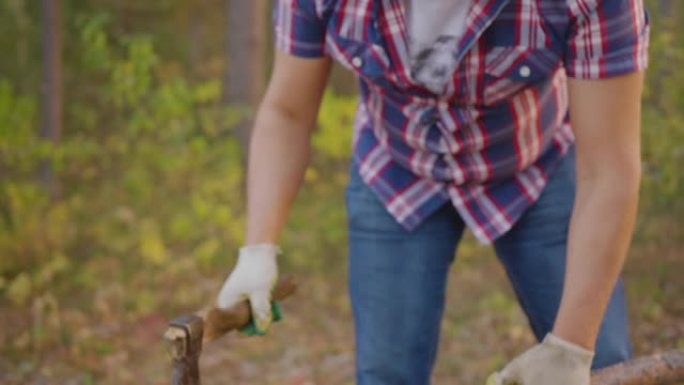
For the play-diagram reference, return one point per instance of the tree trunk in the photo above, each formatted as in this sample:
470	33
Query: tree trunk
665	7
52	97
197	37
245	61
18	11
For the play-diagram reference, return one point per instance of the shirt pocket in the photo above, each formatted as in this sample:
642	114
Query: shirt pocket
365	59
510	70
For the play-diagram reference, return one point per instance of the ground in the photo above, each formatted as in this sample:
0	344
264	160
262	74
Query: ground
482	328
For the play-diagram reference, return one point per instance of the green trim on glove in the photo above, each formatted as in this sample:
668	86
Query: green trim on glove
251	329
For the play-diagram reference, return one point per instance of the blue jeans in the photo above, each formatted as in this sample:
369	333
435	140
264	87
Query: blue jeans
397	280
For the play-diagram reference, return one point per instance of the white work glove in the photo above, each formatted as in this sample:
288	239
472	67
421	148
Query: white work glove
554	361
253	278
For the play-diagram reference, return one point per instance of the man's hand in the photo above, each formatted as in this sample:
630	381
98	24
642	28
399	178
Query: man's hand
253	278
554	361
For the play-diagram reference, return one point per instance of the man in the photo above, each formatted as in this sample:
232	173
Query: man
518	119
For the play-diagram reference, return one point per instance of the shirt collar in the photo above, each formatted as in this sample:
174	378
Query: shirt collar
393	29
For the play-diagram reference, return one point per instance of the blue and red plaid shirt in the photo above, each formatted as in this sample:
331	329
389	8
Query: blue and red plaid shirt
490	139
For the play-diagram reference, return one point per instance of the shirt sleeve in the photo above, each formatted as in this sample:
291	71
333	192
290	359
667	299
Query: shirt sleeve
607	38
299	31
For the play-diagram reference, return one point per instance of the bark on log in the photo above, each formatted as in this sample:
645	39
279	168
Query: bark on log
659	369
218	322
52	93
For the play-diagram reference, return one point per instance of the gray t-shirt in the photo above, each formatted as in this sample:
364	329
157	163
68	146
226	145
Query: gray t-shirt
434	29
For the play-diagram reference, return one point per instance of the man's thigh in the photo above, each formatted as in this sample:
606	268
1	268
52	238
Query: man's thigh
397	282
534	254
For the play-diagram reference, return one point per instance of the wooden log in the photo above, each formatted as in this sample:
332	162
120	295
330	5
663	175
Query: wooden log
187	334
218	322
659	369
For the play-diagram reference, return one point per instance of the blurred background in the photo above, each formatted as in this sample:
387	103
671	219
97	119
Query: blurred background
123	128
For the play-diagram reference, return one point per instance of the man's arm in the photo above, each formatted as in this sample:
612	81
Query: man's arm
605	116
280	145
279	154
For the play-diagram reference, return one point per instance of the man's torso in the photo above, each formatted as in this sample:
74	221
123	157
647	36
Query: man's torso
486	133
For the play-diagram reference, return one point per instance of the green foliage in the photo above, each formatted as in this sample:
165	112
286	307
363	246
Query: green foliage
151	175
662	213
96	46
19	145
335	120
149	170
663	143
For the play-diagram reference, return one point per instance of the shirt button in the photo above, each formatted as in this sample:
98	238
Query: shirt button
525	71
357	62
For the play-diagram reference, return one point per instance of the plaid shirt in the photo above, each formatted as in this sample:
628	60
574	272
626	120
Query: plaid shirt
490	139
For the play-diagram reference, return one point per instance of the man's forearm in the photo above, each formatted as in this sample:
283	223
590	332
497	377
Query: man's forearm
279	154
600	233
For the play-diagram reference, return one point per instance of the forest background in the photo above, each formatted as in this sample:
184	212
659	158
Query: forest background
123	128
